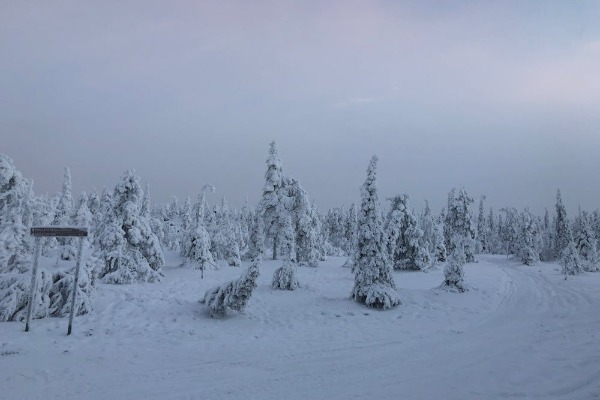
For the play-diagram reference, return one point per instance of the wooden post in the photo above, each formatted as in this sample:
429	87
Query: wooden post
75	285
58	231
36	259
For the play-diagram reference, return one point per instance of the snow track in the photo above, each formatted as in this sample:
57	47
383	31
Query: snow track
521	332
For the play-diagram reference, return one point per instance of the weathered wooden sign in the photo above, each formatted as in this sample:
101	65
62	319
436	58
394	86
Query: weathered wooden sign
59	231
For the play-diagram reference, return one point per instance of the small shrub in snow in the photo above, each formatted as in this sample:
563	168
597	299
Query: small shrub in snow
234	294
284	277
62	290
14	295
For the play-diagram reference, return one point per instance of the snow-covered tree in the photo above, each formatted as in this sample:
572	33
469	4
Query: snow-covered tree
272	206
224	233
15	260
234	294
433	238
587	245
284	277
374	284
482	232
350	230
529	239
405	237
63	217
453	272
561	227
196	249
256	241
459	223
186	215
509	231
61	292
570	260
130	250
306	234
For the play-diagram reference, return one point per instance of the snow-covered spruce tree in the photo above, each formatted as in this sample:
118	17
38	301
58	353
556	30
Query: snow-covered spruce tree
61	291
561	227
234	295
482	240
186	215
284	277
570	260
350	231
492	234
15	260
334	223
596	224
63	217
306	234
510	231
587	245
404	237
459	223
319	227
453	272
440	248
196	249
225	236
130	251
199	208
529	239
272	206
256	241
374	284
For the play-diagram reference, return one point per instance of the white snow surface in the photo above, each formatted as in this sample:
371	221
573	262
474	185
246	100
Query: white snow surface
519	332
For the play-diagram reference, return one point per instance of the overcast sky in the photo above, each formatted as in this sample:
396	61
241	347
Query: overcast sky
502	98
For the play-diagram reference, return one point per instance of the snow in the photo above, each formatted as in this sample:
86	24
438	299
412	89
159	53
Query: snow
519	331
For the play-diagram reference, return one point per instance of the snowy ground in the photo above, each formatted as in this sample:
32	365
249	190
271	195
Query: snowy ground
520	332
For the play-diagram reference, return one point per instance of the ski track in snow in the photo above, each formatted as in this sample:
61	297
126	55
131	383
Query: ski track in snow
520	332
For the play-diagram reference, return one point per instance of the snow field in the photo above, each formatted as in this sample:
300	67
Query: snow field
519	332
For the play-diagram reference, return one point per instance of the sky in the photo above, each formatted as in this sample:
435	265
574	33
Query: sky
502	98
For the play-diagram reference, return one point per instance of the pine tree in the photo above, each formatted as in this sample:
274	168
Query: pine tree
196	249
561	227
453	272
306	239
130	251
404	237
459	224
256	241
509	231
350	231
15	260
482	241
63	217
272	205
587	245
570	260
374	284
529	239
234	294
186	215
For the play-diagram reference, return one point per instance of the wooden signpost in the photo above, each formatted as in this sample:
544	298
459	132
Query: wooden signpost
55	231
